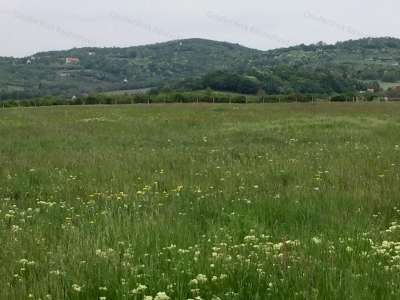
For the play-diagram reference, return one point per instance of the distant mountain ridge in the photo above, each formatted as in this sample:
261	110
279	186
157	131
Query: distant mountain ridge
316	68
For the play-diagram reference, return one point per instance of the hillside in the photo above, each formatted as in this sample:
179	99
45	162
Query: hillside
188	64
105	69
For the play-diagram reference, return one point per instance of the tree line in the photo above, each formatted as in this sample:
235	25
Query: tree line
188	97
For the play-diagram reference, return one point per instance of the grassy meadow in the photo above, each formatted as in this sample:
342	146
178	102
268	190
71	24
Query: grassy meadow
196	201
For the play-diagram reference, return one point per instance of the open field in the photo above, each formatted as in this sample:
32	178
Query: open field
279	201
388	85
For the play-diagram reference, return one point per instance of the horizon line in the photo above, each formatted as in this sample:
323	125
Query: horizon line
197	38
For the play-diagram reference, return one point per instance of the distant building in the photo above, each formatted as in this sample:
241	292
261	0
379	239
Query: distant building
71	60
91	53
370	90
126	80
28	62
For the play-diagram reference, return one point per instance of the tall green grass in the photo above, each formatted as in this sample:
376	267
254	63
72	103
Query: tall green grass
290	201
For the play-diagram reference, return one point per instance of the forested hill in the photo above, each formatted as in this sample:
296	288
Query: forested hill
198	63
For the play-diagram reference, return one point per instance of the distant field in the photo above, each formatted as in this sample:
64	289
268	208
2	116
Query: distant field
127	92
280	201
388	85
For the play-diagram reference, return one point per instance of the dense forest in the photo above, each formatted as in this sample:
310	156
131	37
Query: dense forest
197	64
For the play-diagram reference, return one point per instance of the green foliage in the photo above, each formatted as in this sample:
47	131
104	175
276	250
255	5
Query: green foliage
227	81
201	96
196	64
343	98
391	76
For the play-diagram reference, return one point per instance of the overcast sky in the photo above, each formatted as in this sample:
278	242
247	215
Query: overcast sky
29	26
